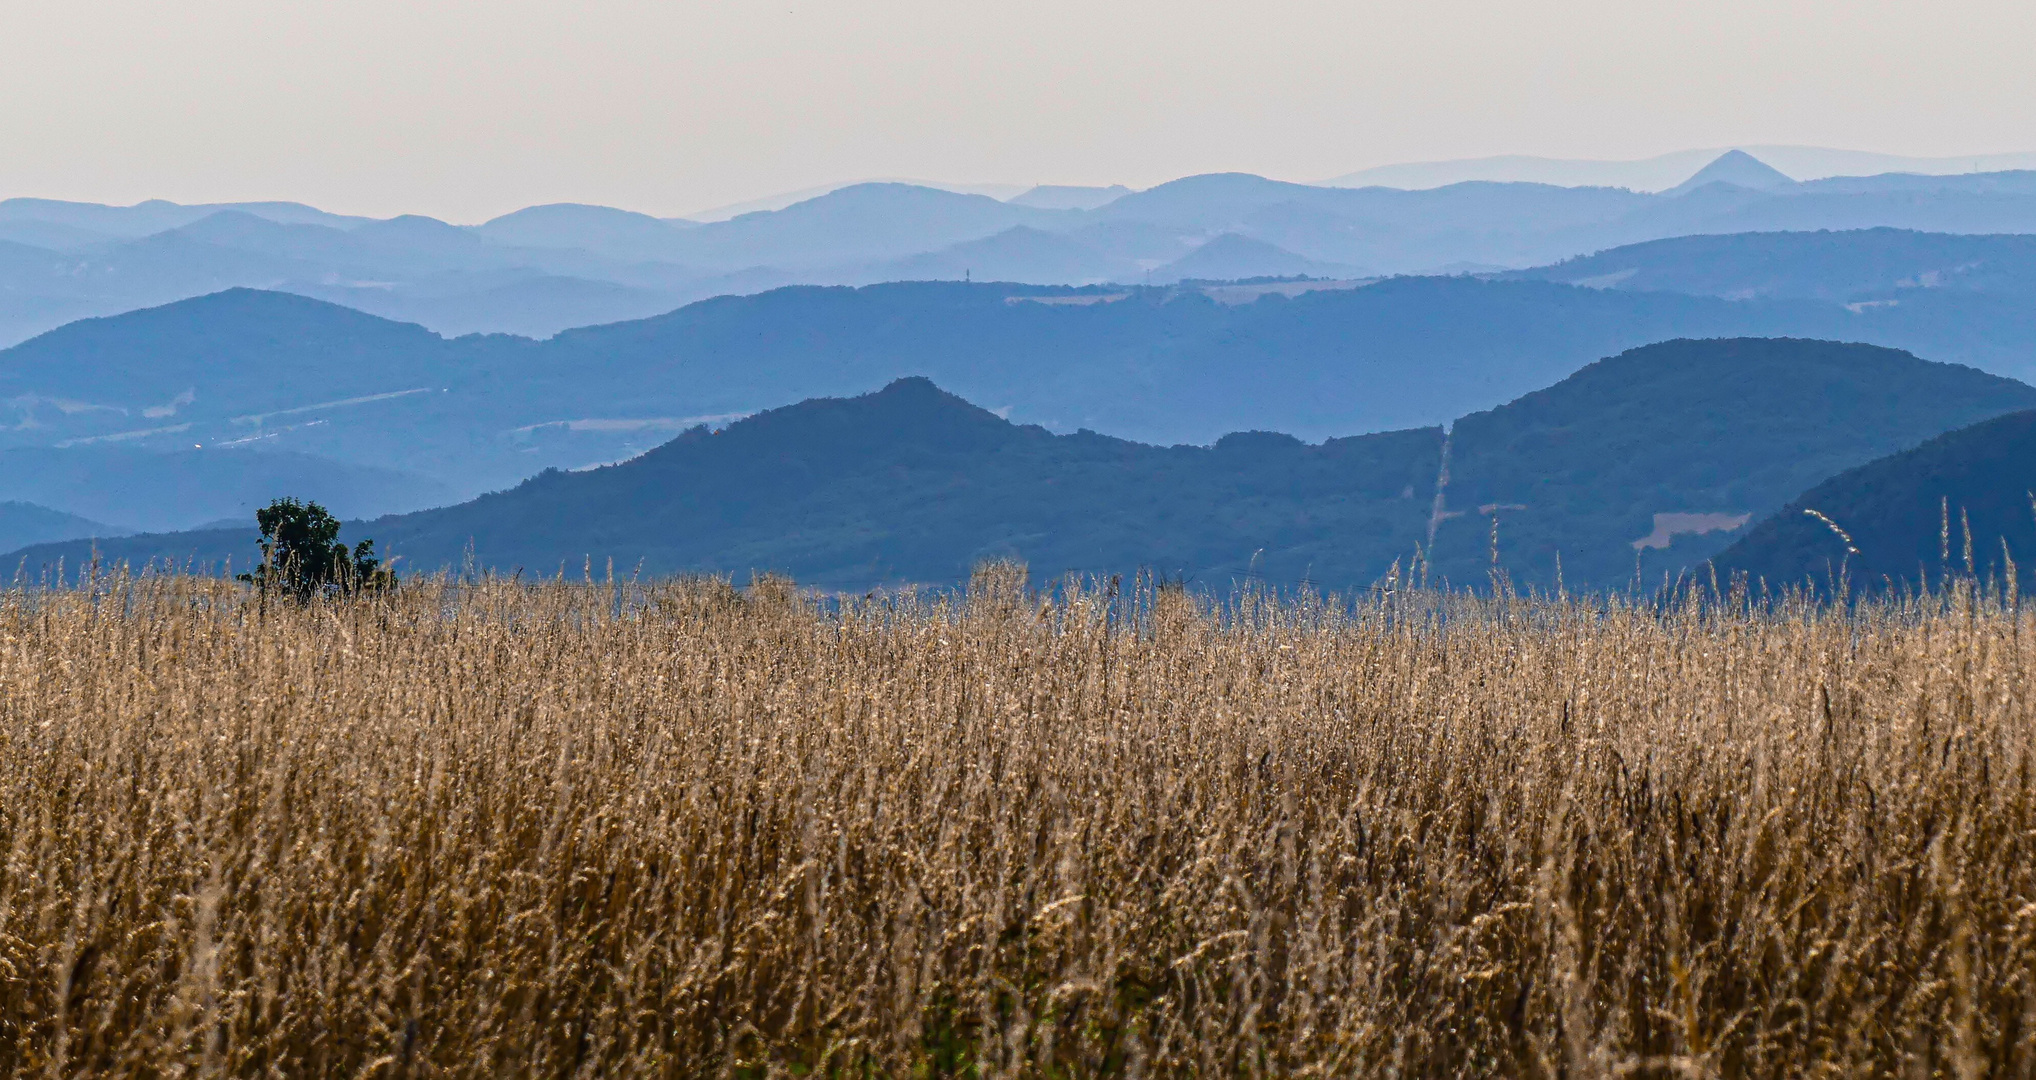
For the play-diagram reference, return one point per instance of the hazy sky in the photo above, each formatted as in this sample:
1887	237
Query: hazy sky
464	110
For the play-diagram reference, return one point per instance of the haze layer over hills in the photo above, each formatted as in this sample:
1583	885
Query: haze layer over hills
543	269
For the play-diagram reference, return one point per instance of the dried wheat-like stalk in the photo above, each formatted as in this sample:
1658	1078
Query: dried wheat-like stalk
681	829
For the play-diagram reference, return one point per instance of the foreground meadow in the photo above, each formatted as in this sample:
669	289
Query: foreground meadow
680	829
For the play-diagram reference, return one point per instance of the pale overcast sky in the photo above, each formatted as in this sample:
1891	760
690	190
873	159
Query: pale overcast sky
464	110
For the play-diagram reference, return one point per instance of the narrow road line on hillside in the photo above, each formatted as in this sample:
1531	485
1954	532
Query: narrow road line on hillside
1437	513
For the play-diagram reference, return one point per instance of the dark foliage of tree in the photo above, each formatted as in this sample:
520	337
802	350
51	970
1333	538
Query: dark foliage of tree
302	556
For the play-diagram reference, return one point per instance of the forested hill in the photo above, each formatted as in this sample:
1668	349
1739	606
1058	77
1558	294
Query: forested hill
912	484
1650	461
1852	266
1655	457
1910	518
1156	365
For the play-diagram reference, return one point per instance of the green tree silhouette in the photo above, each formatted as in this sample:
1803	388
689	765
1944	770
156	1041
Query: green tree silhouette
302	556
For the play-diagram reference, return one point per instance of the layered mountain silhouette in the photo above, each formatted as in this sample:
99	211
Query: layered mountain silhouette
1962	503
1968	298
92	222
547	268
1658	455
1160	365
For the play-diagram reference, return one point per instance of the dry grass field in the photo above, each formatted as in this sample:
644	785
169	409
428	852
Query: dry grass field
513	829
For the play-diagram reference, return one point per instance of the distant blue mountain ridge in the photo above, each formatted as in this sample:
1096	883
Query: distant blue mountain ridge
547	268
189	410
254	370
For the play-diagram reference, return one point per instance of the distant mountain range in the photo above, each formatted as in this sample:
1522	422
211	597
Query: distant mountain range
1212	304
1645	463
1319	359
272	371
1869	265
1664	171
544	269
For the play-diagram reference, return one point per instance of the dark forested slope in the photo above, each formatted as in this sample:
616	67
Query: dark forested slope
1656	456
1908	518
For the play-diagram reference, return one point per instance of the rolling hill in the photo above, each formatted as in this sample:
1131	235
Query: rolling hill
1231	257
23	524
912	484
1158	365
602	230
1844	266
1910	518
1019	253
1652	460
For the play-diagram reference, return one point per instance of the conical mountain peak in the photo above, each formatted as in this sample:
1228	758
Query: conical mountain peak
1738	168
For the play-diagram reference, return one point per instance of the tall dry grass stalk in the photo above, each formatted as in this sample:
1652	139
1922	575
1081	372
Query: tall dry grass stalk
513	829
